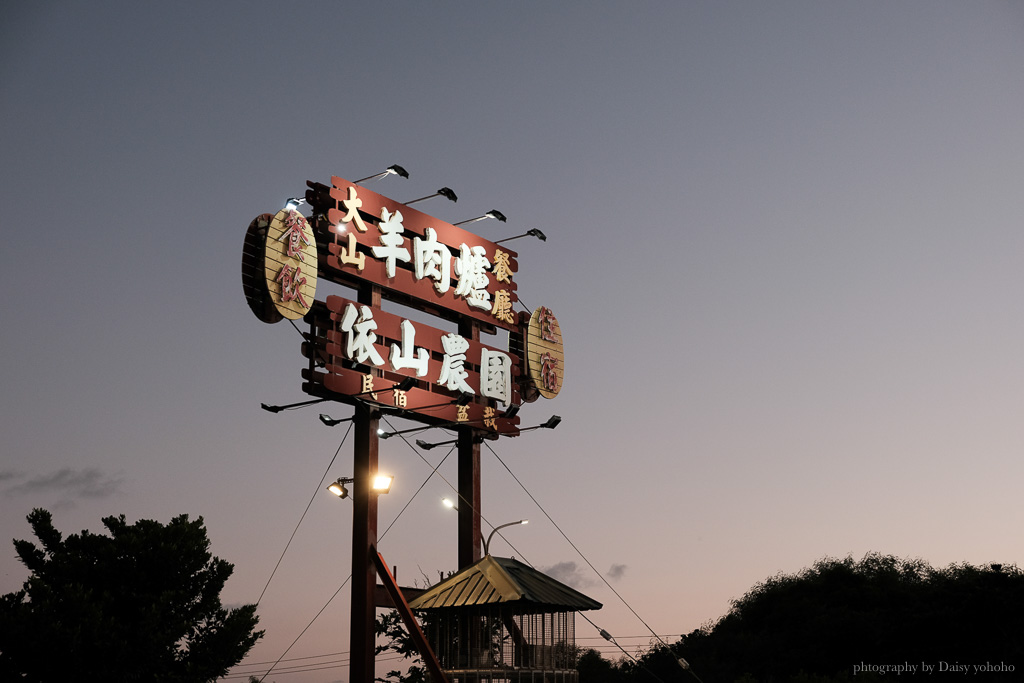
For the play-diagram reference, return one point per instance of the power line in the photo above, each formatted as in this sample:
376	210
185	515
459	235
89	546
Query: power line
308	505
604	634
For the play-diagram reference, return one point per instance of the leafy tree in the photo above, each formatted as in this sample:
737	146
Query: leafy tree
815	626
142	604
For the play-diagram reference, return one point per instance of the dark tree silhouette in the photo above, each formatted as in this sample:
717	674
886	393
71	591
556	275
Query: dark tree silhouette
817	625
142	604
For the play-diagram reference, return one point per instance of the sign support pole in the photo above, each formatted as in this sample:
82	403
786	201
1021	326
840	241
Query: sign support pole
470	538
362	636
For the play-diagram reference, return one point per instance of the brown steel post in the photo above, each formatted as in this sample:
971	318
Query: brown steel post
364	534
470	538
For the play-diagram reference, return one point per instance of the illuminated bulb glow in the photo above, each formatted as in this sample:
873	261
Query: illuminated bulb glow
382	483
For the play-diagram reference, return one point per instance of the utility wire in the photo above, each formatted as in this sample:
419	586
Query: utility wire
322	609
308	505
604	634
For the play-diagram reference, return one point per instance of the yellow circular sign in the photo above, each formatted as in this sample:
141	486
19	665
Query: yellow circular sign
290	263
545	357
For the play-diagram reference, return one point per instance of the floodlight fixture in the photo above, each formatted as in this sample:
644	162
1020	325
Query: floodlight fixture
391	170
551	423
448	503
427	446
511	411
338	487
487	543
493	213
290	406
381	483
445	192
532	232
294	203
330	421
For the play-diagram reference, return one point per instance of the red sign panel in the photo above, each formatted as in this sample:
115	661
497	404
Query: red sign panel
449	366
404	250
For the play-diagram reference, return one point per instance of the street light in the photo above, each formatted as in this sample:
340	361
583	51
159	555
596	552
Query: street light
487	543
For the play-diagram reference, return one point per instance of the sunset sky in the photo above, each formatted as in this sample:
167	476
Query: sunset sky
784	248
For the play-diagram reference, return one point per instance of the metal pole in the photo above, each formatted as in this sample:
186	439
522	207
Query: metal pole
364	533
469	479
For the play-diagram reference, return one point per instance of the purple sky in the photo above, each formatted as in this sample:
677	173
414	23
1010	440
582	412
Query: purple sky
784	248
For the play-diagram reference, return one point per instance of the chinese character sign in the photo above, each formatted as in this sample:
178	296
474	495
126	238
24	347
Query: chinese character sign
290	263
545	358
375	239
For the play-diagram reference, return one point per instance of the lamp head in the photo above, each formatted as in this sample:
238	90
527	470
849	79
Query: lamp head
535	232
338	488
381	483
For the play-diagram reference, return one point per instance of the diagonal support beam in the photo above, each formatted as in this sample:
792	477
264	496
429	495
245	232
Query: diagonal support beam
429	658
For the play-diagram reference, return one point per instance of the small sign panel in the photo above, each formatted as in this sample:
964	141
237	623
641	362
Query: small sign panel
290	263
545	358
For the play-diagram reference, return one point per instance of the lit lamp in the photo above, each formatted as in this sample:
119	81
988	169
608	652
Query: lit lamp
338	487
379	483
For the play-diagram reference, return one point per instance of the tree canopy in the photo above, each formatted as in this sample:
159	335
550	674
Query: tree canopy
821	623
140	604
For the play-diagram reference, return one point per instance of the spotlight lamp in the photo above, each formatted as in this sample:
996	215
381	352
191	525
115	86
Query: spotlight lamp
532	232
447	502
278	409
445	192
493	213
294	203
330	421
379	483
391	170
551	423
427	446
338	487
382	483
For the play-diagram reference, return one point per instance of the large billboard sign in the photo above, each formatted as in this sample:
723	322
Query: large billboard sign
415	256
358	238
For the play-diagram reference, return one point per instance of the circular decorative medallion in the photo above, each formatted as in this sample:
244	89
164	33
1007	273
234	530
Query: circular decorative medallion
545	358
290	264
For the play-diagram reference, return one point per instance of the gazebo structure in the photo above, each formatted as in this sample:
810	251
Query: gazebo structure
499	620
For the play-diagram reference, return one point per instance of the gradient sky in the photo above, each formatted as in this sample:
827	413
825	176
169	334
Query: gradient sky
784	248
